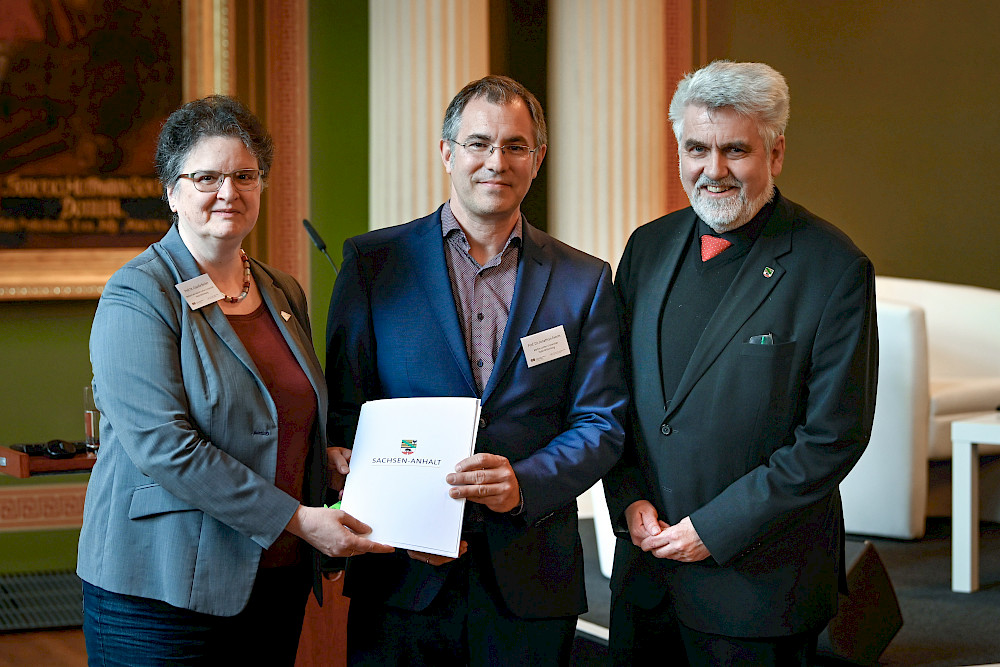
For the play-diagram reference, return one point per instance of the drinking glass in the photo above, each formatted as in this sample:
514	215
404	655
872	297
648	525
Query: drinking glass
91	421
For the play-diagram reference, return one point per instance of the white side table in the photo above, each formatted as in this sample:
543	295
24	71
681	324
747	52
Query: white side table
966	436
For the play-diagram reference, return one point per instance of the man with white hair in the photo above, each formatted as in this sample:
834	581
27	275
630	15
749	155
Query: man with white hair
751	334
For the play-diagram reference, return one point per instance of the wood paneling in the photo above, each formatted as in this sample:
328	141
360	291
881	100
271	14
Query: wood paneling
324	631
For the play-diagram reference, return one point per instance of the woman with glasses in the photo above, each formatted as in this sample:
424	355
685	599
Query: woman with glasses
204	513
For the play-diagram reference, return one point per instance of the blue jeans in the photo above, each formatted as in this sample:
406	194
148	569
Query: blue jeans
139	632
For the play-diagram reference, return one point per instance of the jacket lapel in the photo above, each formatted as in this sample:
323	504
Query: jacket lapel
180	258
427	261
532	277
755	280
184	266
651	297
291	329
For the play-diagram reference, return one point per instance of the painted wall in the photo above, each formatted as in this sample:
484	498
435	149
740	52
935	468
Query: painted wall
893	122
45	364
338	105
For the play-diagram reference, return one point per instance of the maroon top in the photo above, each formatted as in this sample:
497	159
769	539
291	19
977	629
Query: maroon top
295	399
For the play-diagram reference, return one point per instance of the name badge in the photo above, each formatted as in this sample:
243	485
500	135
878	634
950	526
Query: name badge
545	346
199	291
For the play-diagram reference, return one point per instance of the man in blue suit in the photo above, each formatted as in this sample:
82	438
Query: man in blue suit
442	306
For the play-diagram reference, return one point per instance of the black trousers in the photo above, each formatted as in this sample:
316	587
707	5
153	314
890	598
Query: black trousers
654	636
466	624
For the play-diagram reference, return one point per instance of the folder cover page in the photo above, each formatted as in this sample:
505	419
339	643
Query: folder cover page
403	450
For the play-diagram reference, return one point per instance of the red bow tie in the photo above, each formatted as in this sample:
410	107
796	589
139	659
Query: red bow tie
712	246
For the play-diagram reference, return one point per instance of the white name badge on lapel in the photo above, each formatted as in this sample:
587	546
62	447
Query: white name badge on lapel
545	346
199	291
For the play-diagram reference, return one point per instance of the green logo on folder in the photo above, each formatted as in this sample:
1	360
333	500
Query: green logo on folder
407	446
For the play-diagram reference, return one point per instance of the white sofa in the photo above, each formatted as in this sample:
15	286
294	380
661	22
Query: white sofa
939	348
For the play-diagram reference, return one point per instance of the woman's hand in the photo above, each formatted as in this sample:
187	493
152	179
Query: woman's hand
333	532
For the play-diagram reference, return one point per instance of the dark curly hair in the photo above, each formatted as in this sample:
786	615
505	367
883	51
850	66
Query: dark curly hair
212	116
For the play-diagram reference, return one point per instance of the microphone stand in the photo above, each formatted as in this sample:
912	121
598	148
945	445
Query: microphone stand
319	243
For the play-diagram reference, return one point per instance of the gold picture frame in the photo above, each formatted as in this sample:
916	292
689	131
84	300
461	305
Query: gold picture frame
81	273
216	34
59	273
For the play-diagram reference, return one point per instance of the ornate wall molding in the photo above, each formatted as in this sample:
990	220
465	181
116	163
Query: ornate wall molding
287	113
41	507
228	43
209	56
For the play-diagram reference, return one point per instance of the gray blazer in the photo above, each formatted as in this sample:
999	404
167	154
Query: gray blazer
182	502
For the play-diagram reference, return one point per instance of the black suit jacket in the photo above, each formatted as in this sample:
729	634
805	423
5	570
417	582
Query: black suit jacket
393	331
755	440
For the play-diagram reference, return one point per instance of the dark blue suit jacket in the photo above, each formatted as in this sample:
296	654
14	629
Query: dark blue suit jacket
393	331
755	440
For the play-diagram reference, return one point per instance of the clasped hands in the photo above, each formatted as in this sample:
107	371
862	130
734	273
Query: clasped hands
487	479
679	542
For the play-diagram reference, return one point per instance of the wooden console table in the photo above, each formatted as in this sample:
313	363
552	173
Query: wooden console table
18	464
50	506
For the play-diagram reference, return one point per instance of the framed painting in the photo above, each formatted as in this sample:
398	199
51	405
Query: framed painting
84	89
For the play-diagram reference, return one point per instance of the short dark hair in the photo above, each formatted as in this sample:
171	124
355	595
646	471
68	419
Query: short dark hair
212	116
497	90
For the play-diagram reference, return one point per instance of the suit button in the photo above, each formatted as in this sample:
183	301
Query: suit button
482	422
665	429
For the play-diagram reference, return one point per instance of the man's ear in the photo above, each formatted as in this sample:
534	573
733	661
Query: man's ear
446	154
777	155
539	156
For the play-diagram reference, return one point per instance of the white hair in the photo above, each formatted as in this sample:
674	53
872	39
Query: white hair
754	90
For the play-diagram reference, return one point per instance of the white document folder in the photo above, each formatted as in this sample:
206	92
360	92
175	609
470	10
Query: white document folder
403	450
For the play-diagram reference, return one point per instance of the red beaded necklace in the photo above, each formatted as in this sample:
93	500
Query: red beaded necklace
246	281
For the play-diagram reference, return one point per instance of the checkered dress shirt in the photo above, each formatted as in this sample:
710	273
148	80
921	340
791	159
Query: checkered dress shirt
482	293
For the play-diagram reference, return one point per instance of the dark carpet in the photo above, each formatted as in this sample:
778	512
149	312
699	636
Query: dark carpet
940	628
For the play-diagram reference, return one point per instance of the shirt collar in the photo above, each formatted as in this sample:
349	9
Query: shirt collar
450	226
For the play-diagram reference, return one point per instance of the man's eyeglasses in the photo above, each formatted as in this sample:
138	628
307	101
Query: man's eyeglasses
211	181
483	149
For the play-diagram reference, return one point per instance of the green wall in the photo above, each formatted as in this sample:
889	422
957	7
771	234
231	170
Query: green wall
45	365
893	116
338	106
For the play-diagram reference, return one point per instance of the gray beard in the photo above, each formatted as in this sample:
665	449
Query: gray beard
725	216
